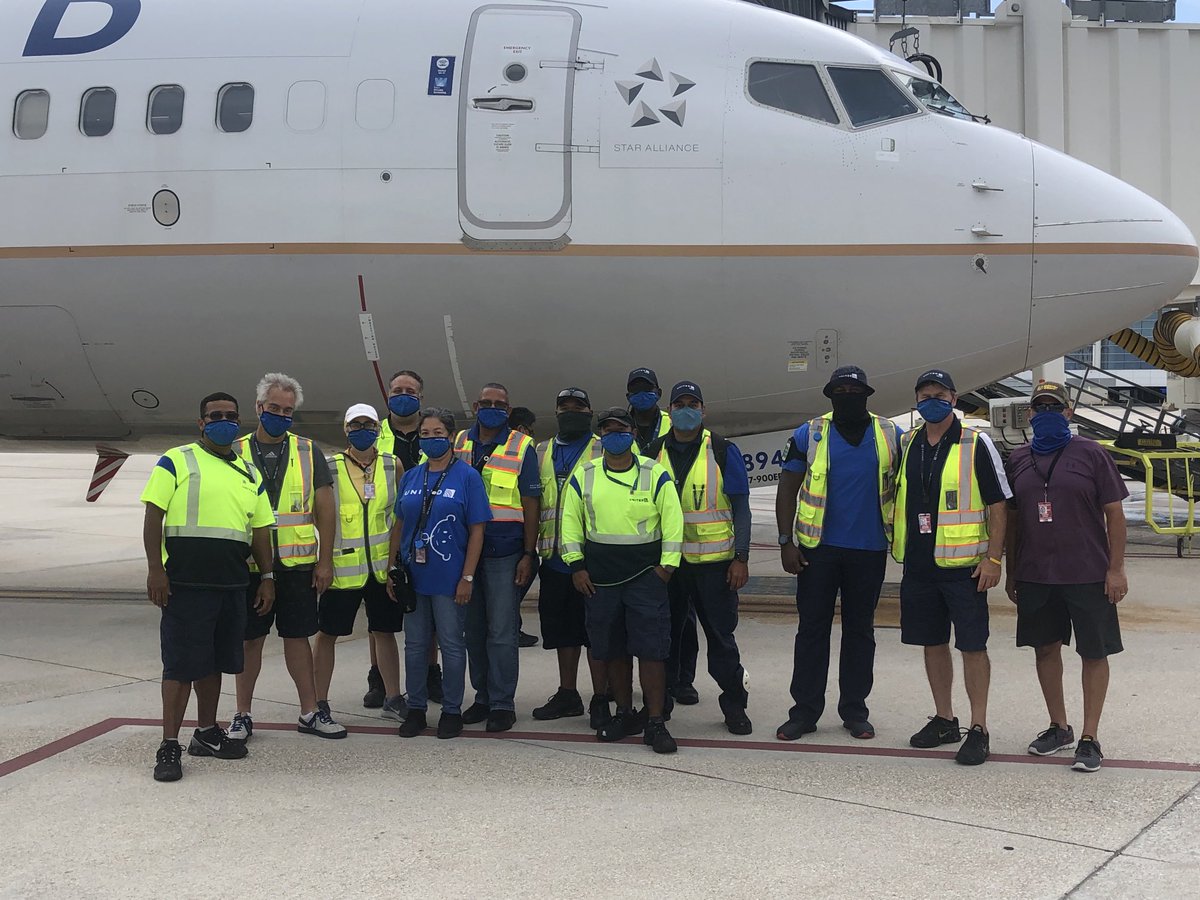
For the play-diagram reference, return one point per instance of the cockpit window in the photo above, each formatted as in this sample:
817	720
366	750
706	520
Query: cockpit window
870	96
934	97
792	87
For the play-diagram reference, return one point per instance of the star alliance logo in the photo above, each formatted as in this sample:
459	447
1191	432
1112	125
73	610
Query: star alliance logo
646	80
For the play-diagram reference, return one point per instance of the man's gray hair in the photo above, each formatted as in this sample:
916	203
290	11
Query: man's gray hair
284	383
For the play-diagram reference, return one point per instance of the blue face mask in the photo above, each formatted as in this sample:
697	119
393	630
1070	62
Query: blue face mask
489	417
273	424
934	409
617	442
363	438
686	418
222	432
643	401
435	447
404	405
1051	431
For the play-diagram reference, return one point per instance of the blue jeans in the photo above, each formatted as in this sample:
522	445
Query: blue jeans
450	620
492	632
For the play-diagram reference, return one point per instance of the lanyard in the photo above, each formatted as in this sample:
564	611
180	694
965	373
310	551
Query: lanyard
1049	473
260	459
632	487
928	474
368	478
427	500
229	461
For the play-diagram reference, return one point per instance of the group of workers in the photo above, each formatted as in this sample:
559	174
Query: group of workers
637	523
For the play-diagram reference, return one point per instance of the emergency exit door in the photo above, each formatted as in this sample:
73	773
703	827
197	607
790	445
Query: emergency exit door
514	134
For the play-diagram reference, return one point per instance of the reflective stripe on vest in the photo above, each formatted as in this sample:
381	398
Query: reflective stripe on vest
190	526
615	525
294	533
363	532
500	474
707	528
550	518
810	512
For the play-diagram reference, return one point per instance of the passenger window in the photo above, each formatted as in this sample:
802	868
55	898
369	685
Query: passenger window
375	105
235	107
97	111
164	109
306	106
870	96
31	114
791	87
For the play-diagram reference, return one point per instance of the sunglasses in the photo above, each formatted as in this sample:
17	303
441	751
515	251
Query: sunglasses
572	394
217	416
1047	407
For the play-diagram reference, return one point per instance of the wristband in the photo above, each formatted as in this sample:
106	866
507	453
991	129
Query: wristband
996	561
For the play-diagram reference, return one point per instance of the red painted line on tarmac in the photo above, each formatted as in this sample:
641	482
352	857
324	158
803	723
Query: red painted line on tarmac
101	728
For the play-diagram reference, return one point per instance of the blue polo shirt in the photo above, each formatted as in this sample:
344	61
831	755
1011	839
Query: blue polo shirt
506	538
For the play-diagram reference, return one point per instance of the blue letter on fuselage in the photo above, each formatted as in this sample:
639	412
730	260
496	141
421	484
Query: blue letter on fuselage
42	40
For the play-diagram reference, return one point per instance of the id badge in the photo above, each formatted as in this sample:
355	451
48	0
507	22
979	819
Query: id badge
1045	511
419	555
925	523
369	490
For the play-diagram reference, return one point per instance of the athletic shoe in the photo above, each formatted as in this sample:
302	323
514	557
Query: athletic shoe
376	692
433	684
658	738
1087	756
564	704
526	640
241	728
626	723
501	720
450	725
321	724
395	708
598	711
166	762
737	722
414	724
937	731
213	742
1052	740
862	730
793	729
475	713
975	749
686	694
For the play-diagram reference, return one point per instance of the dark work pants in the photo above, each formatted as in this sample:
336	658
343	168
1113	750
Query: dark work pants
702	588
858	576
688	650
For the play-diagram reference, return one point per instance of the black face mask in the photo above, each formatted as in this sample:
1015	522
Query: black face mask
849	408
573	425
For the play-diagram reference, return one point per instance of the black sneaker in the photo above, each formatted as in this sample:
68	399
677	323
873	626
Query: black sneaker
501	720
737	722
526	640
626	723
433	684
861	730
564	704
376	692
1052	740
214	742
686	694
475	713
414	724
598	711
166	762
937	731
450	725
1088	757
658	738
794	729
975	749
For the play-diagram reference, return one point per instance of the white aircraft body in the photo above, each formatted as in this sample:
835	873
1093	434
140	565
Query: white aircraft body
542	193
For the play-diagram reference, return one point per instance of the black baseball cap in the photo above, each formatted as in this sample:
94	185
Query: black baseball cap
644	373
685	389
620	413
936	376
847	375
573	394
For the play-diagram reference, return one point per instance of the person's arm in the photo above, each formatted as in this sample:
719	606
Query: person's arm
993	486
670	522
1011	533
531	510
158	587
573	537
263	552
394	560
1116	583
462	593
988	570
324	515
791	479
739	568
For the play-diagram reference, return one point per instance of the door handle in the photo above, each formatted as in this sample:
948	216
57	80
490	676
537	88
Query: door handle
980	185
503	104
981	230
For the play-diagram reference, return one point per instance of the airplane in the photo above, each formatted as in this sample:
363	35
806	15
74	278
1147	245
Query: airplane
542	193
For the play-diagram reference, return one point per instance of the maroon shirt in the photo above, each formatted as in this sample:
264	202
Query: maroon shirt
1073	549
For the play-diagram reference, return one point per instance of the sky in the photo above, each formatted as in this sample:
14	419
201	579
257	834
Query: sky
1185	10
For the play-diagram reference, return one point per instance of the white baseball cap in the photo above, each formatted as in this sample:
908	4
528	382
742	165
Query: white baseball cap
361	409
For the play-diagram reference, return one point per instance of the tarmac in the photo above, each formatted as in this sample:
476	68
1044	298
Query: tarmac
546	810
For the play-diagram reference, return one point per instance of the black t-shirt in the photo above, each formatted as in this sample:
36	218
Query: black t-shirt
406	448
272	462
924	476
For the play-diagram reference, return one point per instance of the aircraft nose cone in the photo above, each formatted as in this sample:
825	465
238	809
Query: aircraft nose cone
1105	255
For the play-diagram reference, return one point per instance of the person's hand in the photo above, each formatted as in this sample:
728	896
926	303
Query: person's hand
988	574
583	583
793	559
322	577
524	571
264	597
738	575
1010	587
462	593
664	573
1116	585
391	588
158	588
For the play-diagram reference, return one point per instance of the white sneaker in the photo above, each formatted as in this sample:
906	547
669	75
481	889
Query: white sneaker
240	728
321	724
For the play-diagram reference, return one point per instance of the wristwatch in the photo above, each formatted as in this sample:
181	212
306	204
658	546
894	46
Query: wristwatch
469	579
785	539
267	576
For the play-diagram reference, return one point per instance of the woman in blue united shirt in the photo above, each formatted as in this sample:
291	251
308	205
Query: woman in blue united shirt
440	513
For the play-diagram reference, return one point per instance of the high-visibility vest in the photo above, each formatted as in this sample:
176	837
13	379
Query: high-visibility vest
360	541
387	443
218	502
661	429
707	512
810	513
550	524
295	531
615	513
500	474
961	537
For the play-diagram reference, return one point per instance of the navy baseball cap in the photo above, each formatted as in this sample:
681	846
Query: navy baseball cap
686	389
846	375
644	373
573	393
936	376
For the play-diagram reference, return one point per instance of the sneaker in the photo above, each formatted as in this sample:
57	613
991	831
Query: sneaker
376	693
1052	740
975	749
166	762
414	724
626	723
433	684
526	640
1087	756
475	713
658	738
450	725
241	728
861	730
737	722
598	711
321	724
395	708
937	731
501	720
213	742
686	694
564	704
793	729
